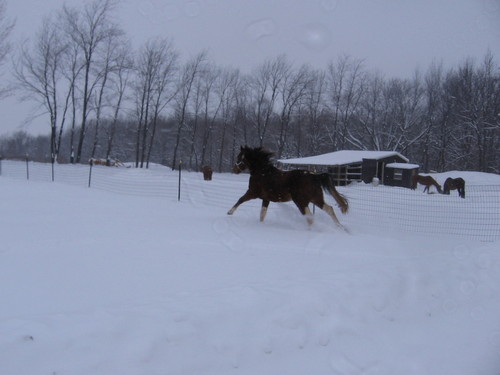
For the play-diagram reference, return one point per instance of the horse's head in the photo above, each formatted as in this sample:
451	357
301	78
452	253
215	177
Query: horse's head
254	159
241	163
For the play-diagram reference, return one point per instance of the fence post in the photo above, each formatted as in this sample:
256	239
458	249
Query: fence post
179	187
52	159
27	168
90	171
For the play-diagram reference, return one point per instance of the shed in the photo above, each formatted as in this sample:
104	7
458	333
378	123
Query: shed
349	165
400	174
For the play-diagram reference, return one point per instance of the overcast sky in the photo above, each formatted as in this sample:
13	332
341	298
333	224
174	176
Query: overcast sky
394	37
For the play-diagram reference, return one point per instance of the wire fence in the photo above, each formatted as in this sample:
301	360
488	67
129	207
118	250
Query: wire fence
380	208
392	208
138	182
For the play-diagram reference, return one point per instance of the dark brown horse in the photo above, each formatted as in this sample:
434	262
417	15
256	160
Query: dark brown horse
207	172
273	185
427	181
454	184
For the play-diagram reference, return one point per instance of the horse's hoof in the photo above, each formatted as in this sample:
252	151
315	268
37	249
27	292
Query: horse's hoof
344	228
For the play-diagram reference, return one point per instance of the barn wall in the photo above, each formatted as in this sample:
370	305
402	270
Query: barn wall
405	181
375	168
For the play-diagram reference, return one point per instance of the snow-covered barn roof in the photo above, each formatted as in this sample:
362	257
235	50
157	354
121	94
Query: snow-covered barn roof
402	165
343	157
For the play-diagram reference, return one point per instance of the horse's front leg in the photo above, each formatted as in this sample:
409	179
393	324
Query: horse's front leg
263	210
461	192
245	197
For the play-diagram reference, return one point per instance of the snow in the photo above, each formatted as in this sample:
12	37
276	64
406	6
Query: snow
402	165
342	157
96	281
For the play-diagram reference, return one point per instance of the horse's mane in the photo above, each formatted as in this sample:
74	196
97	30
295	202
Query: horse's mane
258	158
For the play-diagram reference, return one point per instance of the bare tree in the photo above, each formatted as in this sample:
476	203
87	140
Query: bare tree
476	93
39	71
409	114
371	116
266	83
72	70
201	107
391	115
345	87
189	73
155	68
309	134
294	89
89	29
165	89
486	128
6	27
239	120
105	68
224	81
120	83
437	114
227	89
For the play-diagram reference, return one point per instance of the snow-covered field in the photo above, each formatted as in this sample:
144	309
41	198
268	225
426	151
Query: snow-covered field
124	279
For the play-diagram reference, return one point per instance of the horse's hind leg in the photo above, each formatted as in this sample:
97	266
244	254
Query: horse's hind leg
329	210
320	202
263	209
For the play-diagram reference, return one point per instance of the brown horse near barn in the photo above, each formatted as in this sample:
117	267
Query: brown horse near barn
427	181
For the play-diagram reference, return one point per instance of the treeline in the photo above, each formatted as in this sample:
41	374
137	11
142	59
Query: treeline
104	101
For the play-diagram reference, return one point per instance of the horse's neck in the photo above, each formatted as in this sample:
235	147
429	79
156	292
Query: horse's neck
268	169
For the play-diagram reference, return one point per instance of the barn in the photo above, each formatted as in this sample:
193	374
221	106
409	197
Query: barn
400	174
390	167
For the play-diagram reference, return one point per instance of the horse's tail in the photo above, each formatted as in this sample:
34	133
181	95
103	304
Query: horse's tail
328	185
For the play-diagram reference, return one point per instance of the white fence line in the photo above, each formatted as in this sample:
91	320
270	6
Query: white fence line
476	217
391	208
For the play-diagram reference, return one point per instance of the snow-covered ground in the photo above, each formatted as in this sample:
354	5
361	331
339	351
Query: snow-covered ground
124	279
